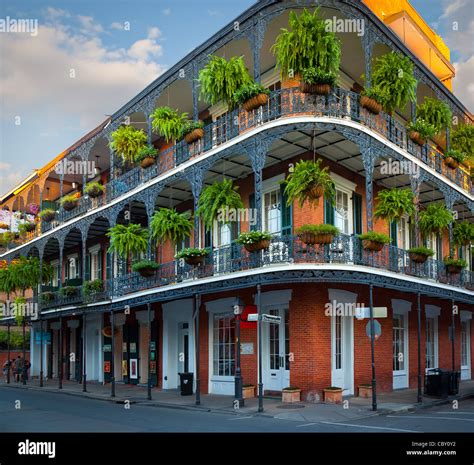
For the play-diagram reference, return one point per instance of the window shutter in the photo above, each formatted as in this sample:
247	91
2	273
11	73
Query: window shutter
252	227
328	212
393	233
99	265
208	239
88	267
357	209
286	214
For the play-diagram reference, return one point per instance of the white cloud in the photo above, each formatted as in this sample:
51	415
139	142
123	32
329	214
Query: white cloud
452	7
154	33
463	84
56	13
167	11
88	25
4	166
117	25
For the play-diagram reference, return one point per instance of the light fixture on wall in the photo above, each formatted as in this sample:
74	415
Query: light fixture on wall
47	193
96	168
74	185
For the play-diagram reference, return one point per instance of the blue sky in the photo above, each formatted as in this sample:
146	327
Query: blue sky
111	64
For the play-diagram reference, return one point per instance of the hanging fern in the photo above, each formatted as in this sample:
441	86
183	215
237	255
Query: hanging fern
220	79
394	203
393	73
216	198
436	113
128	240
168	224
462	139
463	233
307	44
168	123
435	219
127	142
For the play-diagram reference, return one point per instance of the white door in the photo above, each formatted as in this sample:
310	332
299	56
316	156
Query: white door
342	353
223	250
276	352
466	349
183	347
400	351
343	220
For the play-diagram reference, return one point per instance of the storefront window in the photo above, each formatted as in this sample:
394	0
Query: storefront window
224	345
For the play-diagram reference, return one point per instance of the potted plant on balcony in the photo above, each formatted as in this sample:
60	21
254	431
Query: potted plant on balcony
145	268
48	215
47	297
420	254
93	287
393	72
419	131
26	227
462	140
220	79
291	394
69	202
374	241
248	391
453	158
168	123
193	131
251	96
216	199
127	142
146	156
168	224
4	226
192	256
254	241
307	43
372	99
393	203
308	182
454	265
94	189
312	234
463	233
128	240
437	113
33	208
68	291
434	219
333	395
317	81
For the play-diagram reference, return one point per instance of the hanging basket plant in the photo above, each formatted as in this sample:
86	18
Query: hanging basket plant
374	241
4	226
394	203
145	268
316	81
192	256
168	123
216	199
193	131
420	254
26	227
47	215
308	182
254	241
435	219
307	43
251	96
69	202
453	158
372	100
94	189
128	240
436	113
220	79
454	265
146	156
462	140
463	233
168	224
420	130
127	142
312	234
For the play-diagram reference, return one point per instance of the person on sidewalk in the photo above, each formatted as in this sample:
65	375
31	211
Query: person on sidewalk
6	368
27	366
18	368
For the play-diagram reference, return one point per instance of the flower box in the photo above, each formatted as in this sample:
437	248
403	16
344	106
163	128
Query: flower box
248	391
365	391
194	135
291	395
415	136
373	246
370	105
255	102
333	395
257	246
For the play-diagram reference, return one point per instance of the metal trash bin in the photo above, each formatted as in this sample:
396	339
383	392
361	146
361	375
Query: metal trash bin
437	383
454	382
186	383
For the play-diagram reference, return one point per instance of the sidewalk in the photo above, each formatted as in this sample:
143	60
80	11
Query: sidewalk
392	402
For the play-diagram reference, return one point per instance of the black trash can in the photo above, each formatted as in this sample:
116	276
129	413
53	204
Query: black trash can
186	383
454	383
437	383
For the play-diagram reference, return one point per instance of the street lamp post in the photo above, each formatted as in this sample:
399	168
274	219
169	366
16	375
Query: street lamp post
239	399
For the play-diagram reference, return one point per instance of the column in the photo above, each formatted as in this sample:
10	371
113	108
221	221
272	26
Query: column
195	178
367	43
369	162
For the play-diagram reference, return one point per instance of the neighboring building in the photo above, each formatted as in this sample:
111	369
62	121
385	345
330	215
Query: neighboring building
309	349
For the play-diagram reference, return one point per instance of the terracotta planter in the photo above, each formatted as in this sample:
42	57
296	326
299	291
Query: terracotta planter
311	239
48	217
288	83
451	162
365	392
194	135
291	396
255	102
415	136
95	192
373	246
332	396
195	260
418	257
453	269
370	104
147	272
257	246
248	392
147	162
318	89
68	206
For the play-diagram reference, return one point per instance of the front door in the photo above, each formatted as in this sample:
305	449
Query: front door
183	347
400	351
342	353
277	348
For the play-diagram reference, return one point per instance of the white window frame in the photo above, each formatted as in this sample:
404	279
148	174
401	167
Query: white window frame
347	187
76	261
94	256
432	312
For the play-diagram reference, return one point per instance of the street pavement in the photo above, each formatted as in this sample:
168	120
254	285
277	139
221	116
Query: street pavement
24	410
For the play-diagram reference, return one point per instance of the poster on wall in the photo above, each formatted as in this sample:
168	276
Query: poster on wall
106	367
134	368
124	368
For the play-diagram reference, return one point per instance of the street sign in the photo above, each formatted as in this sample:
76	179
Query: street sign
377	329
265	317
364	312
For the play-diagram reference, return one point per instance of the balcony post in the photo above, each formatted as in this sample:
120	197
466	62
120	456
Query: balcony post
61	258
84	352
148	305
112	361
83	257
367	44
256	39
195	178
368	159
195	91
419	397
449	199
416	180
257	151
60	355
197	305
